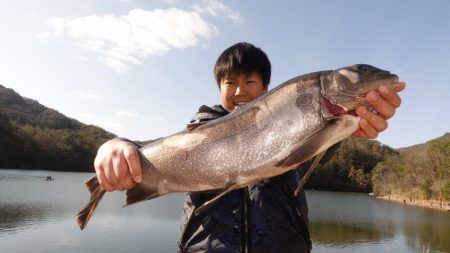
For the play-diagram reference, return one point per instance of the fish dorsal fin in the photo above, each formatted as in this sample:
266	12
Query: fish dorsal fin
211	202
309	172
192	126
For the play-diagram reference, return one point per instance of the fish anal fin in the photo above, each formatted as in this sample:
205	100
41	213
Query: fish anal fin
96	195
211	202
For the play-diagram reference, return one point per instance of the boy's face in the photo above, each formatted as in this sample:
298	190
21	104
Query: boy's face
237	90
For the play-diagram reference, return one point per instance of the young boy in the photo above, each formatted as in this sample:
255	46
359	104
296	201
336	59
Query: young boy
264	217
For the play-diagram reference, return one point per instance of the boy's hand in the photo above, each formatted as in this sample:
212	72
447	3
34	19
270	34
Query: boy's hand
117	165
385	102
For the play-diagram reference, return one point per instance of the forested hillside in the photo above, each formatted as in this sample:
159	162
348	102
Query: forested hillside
33	136
421	171
350	168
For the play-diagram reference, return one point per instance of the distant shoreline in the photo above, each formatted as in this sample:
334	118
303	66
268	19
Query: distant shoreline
432	203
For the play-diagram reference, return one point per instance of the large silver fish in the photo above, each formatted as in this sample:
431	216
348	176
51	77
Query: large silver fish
274	133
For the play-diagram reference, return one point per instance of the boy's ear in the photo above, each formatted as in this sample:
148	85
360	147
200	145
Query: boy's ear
266	87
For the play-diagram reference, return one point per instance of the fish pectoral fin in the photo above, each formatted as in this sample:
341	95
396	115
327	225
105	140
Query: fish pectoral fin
211	202
309	172
304	151
335	131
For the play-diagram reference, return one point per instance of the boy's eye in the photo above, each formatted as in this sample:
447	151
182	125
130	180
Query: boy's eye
229	82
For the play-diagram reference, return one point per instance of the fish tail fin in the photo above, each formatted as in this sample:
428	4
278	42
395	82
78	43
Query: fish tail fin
96	195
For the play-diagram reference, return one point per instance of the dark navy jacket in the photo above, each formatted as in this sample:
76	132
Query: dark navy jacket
263	217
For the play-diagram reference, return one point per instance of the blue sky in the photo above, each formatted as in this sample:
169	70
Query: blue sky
140	69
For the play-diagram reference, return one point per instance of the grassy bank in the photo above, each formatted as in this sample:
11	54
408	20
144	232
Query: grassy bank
431	203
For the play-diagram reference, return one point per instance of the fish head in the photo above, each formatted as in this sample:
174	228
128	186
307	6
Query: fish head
344	89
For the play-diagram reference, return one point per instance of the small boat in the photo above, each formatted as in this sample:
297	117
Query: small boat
49	178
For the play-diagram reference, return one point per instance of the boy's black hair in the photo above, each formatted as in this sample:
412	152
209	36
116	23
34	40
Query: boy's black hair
243	58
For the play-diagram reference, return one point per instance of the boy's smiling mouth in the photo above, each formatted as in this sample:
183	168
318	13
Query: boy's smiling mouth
240	103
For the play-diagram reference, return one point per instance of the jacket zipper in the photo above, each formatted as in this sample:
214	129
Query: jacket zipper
245	222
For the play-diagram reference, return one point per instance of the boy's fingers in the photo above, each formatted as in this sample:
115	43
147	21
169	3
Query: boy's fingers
360	133
132	158
110	174
103	181
369	131
376	121
390	95
381	105
124	179
400	87
385	102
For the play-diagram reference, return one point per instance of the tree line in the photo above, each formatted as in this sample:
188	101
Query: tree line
33	136
420	172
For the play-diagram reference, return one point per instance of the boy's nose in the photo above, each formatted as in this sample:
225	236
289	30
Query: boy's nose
239	91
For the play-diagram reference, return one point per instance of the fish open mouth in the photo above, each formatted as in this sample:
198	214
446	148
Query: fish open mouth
337	110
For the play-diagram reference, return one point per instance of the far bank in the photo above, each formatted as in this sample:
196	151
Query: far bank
432	203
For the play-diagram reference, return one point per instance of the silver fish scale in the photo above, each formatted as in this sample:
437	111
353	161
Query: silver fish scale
242	149
266	137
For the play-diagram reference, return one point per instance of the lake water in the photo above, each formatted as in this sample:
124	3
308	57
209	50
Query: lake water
39	216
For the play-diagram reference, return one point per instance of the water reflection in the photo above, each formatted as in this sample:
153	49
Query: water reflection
18	217
28	201
350	219
164	208
434	231
339	234
39	216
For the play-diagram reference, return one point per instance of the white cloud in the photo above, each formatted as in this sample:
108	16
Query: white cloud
81	58
127	114
109	125
169	1
87	116
156	118
86	95
117	65
58	25
127	39
43	35
216	8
